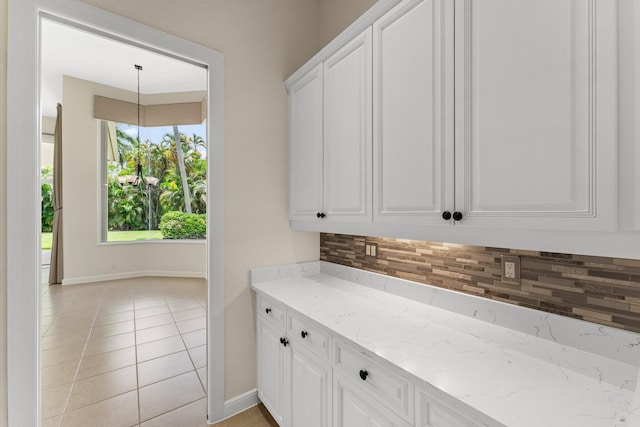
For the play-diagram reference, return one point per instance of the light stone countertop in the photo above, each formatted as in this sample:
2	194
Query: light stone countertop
515	378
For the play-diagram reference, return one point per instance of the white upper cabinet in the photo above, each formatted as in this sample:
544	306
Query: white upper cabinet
347	132
536	119
330	138
482	114
413	112
305	149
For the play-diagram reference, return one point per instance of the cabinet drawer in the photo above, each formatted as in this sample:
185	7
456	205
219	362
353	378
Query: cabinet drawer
352	407
271	310
434	411
386	384
309	334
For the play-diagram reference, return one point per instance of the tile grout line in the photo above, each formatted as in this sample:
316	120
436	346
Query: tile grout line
176	326
175	409
135	332
135	343
185	347
86	343
92	329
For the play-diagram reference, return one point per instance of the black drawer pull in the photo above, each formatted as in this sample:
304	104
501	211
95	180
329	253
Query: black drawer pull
363	374
304	334
267	310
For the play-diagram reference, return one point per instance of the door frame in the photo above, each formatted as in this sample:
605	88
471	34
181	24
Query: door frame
23	193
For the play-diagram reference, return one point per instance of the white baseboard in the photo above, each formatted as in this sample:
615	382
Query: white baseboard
239	404
132	275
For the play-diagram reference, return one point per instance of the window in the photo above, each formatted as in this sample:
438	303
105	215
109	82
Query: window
142	181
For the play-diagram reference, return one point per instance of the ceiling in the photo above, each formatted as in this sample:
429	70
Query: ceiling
78	53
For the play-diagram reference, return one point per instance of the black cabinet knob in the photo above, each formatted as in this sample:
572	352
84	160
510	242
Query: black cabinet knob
457	216
322	215
446	215
304	334
318	215
267	310
284	341
363	374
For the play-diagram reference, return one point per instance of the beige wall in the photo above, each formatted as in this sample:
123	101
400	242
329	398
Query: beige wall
84	259
263	42
336	15
3	213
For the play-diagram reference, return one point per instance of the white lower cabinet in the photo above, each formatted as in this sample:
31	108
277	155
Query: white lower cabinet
355	408
294	368
271	368
310	389
309	377
387	384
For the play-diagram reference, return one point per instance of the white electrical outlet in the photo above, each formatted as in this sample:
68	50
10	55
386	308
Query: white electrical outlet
511	269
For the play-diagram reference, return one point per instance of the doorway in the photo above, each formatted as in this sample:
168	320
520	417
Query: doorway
23	216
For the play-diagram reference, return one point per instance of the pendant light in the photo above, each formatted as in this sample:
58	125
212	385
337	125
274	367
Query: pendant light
139	163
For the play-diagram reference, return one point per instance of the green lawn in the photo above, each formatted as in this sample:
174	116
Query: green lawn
129	236
46	240
114	236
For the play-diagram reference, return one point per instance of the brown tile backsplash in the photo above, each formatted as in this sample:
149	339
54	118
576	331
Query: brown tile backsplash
597	289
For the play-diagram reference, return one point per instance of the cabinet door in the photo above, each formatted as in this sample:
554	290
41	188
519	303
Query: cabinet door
305	146
413	113
347	132
271	368
355	408
310	389
536	113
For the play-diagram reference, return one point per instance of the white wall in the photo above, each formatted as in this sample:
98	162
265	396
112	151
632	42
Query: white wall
85	259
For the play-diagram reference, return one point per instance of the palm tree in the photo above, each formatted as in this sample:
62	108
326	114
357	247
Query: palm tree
198	141
126	144
183	173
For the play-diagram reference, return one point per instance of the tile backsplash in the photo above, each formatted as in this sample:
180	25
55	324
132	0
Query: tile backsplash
597	289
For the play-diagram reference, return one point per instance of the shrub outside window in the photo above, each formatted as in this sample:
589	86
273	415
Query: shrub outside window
143	193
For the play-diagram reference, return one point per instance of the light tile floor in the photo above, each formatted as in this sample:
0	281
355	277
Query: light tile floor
124	353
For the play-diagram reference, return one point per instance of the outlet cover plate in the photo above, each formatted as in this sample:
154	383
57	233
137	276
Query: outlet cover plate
510	269
371	249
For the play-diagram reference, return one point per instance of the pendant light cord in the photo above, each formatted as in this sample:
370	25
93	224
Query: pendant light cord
139	165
